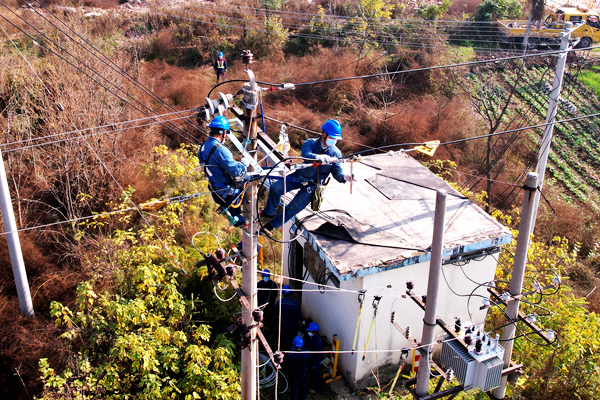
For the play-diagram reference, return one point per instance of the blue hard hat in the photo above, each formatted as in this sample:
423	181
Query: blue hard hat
265	272
285	289
313	327
219	122
332	128
220	55
297	342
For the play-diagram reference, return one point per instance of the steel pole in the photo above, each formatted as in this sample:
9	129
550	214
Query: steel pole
14	245
518	273
435	266
249	264
551	116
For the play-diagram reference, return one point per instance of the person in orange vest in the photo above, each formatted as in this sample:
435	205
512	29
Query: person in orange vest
220	67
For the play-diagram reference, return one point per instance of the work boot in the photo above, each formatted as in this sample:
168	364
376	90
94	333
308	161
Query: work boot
264	217
266	230
241	222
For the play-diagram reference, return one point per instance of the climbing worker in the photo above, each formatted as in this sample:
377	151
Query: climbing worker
291	317
222	171
314	343
267	293
220	67
298	368
321	150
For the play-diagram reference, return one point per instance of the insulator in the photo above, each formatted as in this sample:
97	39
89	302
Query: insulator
407	332
243	326
450	374
410	285
258	315
278	357
457	325
424	299
230	270
220	254
232	327
247	57
214	263
530	318
478	345
393	316
468	340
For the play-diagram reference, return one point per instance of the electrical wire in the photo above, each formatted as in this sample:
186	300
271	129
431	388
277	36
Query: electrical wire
104	59
181	133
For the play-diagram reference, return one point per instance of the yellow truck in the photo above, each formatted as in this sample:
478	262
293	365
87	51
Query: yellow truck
586	24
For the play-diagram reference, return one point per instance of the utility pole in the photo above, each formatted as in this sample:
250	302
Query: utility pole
551	116
435	266
518	273
14	245
249	267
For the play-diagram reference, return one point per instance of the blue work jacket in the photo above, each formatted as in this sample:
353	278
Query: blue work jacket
291	313
221	168
310	149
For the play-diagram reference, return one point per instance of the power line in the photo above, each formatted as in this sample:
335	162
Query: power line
40	138
110	63
181	133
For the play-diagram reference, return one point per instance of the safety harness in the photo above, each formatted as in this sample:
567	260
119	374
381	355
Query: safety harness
233	184
317	196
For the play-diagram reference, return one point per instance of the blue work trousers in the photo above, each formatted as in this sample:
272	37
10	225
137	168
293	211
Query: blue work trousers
300	200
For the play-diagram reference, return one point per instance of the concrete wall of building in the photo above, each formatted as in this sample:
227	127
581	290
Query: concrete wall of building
336	311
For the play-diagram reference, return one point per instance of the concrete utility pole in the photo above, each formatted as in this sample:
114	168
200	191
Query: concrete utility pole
435	266
249	267
551	116
14	245
518	273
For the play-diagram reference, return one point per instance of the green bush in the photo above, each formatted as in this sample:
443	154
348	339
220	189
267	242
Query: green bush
492	10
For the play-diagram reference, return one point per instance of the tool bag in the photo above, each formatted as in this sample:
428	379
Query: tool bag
317	195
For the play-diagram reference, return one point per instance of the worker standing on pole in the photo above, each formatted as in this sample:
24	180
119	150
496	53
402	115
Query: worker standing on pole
220	67
222	171
322	150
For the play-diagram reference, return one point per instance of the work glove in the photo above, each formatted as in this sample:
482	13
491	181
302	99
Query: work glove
349	178
325	159
245	162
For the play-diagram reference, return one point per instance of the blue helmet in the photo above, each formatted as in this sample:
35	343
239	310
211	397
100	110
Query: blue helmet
332	128
220	54
297	342
313	327
219	122
285	289
265	272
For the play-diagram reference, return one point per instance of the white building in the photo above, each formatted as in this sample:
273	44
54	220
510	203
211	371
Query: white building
376	241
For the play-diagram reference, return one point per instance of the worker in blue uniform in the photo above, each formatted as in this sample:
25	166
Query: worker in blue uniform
323	150
267	293
222	170
313	342
291	317
297	369
220	67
